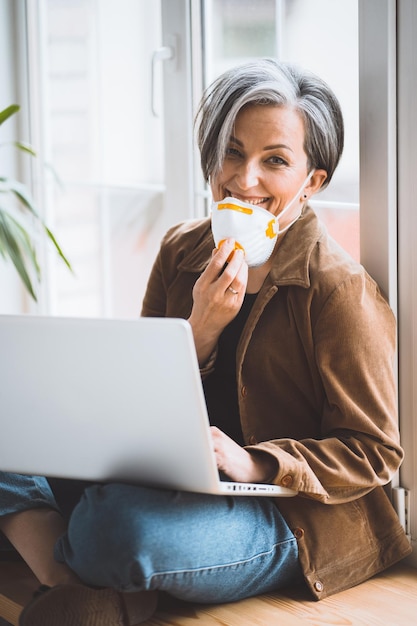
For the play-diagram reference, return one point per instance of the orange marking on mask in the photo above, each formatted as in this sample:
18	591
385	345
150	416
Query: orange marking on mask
234	207
270	231
237	247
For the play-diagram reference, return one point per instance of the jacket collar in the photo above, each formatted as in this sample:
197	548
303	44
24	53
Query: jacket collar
292	259
291	262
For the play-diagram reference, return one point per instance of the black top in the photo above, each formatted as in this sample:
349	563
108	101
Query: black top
220	386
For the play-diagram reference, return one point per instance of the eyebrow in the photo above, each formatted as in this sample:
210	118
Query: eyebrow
271	147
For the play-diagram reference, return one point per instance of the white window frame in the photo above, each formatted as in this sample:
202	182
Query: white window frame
178	112
378	149
407	252
388	92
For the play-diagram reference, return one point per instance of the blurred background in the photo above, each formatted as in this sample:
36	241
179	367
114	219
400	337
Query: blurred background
116	158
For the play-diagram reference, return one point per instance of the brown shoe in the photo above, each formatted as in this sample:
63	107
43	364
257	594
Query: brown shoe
77	605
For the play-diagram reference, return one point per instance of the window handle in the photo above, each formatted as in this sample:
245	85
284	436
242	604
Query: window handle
165	53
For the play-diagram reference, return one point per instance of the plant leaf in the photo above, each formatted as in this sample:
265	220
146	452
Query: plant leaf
58	247
16	227
25	147
8	112
15	243
20	191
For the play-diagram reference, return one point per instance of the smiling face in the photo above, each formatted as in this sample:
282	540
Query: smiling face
265	162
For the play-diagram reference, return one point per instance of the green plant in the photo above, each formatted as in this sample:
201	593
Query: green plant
16	242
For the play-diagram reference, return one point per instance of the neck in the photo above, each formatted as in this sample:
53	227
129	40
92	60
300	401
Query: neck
256	277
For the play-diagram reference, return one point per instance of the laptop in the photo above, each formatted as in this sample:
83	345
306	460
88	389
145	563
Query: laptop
108	400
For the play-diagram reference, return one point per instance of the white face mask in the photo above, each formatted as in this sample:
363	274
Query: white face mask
254	229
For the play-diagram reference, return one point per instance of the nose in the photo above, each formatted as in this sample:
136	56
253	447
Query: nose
248	175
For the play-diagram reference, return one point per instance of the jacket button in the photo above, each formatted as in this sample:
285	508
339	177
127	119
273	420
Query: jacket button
244	391
298	533
252	440
318	585
287	480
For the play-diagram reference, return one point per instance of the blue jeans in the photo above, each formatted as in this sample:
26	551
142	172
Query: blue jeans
196	547
19	493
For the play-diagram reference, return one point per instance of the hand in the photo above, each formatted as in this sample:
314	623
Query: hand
215	302
239	464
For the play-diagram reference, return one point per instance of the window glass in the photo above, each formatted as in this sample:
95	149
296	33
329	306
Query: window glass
105	145
321	35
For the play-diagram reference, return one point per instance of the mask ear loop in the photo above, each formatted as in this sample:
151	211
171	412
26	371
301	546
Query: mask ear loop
279	232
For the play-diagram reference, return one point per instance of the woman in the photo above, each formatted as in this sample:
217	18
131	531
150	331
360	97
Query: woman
296	347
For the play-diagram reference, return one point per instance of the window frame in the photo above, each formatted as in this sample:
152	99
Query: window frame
407	253
378	146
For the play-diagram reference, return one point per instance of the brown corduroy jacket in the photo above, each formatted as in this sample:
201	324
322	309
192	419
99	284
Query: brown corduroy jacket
316	390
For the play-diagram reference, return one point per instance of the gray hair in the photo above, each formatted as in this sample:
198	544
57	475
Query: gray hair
266	82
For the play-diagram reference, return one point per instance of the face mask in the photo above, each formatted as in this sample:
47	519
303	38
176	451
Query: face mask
254	229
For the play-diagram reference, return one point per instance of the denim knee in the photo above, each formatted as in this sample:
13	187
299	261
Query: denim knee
105	538
191	545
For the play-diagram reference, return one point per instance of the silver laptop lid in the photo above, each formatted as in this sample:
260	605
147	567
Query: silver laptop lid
104	399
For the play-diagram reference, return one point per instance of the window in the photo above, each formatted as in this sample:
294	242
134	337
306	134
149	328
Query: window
105	143
115	133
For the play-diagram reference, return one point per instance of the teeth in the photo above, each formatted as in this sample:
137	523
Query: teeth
254	202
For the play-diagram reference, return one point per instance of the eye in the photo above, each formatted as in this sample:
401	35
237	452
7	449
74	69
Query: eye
232	153
276	160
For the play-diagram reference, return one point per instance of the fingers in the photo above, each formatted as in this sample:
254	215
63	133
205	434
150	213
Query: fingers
223	277
230	268
217	297
225	259
231	458
236	279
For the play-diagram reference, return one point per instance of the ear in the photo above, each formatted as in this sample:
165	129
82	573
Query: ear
315	182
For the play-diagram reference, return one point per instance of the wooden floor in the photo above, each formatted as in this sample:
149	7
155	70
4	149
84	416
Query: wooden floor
389	599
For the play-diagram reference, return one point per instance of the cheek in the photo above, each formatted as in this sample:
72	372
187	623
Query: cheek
216	186
282	192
